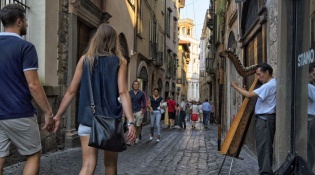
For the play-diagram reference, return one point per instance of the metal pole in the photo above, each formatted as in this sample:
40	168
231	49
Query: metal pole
222	165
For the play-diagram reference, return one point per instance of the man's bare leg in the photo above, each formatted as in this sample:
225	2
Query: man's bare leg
32	164
2	162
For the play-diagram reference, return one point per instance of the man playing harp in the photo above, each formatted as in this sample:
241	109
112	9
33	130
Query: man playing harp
265	110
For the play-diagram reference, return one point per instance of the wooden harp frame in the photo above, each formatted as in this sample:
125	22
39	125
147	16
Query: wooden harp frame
234	139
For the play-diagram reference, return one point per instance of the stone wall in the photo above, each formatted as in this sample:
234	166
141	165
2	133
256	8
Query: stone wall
272	33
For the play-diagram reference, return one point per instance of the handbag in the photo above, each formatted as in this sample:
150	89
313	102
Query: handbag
106	132
294	165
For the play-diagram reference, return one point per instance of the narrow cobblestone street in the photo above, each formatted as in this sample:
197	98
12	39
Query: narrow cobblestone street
189	152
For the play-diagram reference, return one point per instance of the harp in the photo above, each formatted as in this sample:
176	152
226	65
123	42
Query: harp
234	139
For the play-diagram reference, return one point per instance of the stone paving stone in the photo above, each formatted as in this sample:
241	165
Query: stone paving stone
189	152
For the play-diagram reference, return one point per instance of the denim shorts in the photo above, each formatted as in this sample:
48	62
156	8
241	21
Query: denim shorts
84	130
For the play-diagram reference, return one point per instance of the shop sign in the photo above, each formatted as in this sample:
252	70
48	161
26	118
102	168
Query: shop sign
306	58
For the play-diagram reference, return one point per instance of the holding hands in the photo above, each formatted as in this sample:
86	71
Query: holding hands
49	122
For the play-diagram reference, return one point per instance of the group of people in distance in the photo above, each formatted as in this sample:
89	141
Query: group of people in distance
177	113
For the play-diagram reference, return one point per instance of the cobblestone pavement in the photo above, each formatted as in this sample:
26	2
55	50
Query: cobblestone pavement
188	152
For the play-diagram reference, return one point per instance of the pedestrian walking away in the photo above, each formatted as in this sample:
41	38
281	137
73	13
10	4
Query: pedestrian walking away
108	80
138	101
155	105
200	112
194	109
177	116
171	106
265	109
18	69
182	114
188	111
206	109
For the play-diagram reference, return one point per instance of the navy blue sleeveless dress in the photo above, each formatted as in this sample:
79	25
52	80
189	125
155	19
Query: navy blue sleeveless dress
105	90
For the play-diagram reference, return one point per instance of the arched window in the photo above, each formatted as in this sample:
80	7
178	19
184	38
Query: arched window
160	85
144	74
166	92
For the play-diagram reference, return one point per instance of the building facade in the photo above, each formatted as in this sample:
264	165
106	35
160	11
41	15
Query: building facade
186	30
280	33
183	62
172	12
248	30
206	76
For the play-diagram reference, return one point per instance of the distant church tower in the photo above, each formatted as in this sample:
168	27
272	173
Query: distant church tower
186	30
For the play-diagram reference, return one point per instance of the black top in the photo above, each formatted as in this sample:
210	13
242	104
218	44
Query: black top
105	90
155	103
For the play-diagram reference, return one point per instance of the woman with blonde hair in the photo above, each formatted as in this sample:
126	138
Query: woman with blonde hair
107	73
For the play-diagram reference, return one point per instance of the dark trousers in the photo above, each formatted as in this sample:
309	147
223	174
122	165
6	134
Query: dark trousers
264	132
182	120
206	116
311	142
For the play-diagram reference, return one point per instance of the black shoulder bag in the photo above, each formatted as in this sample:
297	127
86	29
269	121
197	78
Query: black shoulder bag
106	132
294	165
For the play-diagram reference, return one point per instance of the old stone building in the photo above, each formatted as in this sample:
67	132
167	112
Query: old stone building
186	30
183	62
249	30
172	14
206	74
279	33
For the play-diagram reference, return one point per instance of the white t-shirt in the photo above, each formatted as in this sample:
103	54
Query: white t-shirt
194	109
311	100
183	105
266	102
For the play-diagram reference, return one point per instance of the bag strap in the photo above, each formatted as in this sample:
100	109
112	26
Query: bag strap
90	86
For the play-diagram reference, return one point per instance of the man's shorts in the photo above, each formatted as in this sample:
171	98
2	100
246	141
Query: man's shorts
171	115
23	133
138	116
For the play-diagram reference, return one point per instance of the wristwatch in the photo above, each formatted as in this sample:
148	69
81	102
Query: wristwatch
130	123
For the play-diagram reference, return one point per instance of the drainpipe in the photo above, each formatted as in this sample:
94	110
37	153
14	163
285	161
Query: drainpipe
164	53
